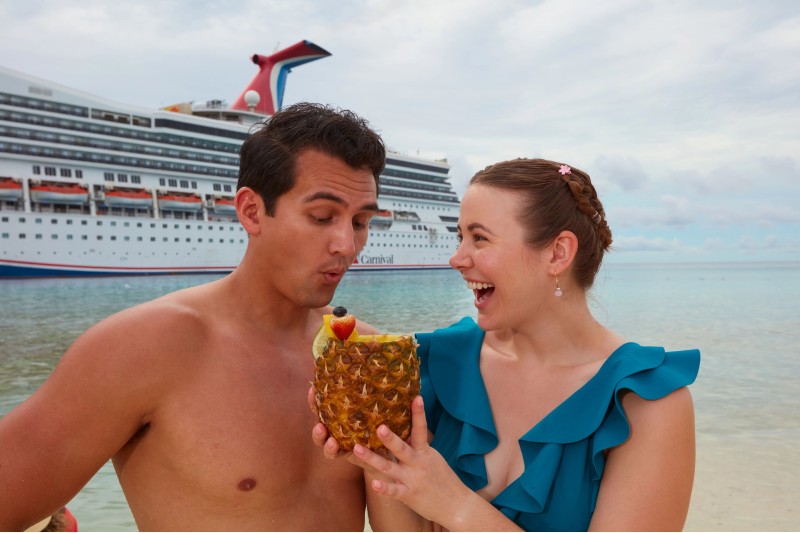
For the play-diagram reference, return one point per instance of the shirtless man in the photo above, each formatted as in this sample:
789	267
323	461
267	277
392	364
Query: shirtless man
199	397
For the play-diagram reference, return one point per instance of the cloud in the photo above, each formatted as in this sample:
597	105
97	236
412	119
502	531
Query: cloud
640	243
623	171
684	113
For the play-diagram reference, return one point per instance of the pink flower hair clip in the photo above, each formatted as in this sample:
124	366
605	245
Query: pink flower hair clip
565	170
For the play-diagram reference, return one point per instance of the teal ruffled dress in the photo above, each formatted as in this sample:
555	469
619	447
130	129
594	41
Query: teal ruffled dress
563	453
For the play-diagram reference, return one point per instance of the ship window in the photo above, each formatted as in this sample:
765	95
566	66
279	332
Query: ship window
5	235
217	187
83	222
122	178
136	179
54	221
66	173
21	235
37	169
69	237
108	176
38	235
113	237
139	238
50	171
69	222
173	183
4	219
38	220
194	185
164	239
177	239
185	183
126	238
188	239
141	121
54	236
162	181
152	239
99	237
164	226
99	222
177	226
84	237
79	174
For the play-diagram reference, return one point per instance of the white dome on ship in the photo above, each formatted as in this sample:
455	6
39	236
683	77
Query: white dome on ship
252	98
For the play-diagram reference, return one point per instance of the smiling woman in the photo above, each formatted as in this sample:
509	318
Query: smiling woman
541	418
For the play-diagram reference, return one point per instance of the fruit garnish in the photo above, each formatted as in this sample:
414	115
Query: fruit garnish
343	326
326	334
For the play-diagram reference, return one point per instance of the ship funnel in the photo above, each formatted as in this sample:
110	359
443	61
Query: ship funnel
270	80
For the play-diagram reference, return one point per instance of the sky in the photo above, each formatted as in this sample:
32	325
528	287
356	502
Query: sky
685	113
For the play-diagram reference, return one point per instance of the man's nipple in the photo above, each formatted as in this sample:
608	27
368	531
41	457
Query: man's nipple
247	484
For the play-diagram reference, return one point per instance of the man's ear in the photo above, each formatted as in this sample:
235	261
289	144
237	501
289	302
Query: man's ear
563	250
249	209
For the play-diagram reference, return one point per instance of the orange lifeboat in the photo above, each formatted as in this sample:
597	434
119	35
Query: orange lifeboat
10	190
382	220
179	202
224	206
59	194
119	198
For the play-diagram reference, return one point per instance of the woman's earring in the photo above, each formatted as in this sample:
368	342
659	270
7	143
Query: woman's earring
558	291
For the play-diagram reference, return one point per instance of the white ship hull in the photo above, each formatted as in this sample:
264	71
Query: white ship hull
53	136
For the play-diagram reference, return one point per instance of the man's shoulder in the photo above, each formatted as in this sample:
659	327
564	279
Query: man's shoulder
164	327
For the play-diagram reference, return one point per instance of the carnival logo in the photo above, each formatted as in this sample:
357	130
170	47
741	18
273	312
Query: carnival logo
365	259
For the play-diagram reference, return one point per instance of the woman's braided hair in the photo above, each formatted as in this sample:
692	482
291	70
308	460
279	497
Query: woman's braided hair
556	198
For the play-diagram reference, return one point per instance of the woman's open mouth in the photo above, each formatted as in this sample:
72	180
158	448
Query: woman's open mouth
482	290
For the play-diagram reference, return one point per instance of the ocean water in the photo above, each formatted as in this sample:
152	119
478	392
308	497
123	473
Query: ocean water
745	318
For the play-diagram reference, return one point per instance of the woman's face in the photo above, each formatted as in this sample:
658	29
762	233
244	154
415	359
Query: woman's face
508	277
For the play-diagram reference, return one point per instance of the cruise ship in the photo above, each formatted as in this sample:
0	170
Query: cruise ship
89	186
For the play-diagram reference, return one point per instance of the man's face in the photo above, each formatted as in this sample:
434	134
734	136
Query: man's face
319	227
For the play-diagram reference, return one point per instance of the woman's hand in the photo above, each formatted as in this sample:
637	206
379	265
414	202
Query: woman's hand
420	478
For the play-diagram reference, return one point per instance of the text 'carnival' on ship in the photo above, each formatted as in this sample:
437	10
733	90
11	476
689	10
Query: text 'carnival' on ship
89	186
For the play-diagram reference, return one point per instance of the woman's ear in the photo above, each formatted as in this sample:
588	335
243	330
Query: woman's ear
249	209
564	247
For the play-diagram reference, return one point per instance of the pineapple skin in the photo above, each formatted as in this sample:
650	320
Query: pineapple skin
361	385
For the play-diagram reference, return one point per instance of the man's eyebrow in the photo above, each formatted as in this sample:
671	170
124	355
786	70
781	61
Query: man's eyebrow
321	195
324	196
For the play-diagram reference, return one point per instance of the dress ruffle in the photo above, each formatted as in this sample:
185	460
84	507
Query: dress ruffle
566	447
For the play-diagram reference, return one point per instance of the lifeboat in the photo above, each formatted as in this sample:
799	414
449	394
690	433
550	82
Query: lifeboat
176	202
10	190
119	198
224	206
382	220
59	194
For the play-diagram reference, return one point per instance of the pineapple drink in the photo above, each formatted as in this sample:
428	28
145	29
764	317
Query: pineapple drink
363	381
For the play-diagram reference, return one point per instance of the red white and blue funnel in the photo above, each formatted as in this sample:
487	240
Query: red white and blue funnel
270	81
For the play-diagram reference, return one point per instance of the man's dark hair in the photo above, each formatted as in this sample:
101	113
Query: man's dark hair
268	157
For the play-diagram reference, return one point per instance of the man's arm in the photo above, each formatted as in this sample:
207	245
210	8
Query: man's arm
98	396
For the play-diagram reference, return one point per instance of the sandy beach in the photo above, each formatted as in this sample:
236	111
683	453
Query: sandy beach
746	484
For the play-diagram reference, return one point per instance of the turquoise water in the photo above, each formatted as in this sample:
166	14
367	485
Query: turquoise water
745	318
